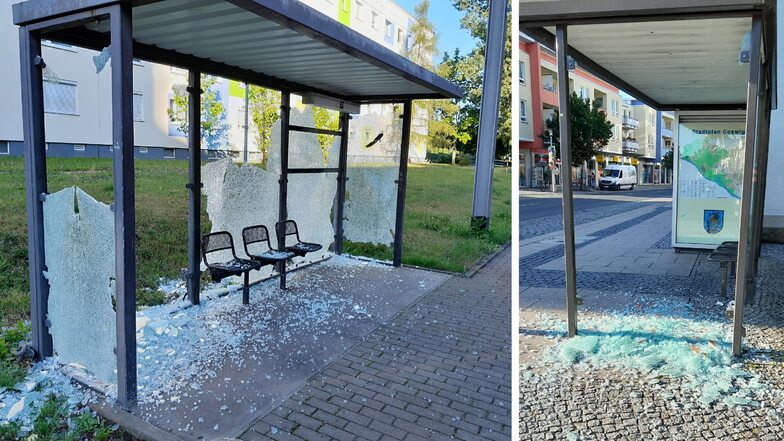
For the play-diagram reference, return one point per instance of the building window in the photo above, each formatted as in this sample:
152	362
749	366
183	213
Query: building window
168	153
143	149
178	113
138	107
344	5
389	31
60	97
4	148
522	73
78	147
358	8
374	20
523	112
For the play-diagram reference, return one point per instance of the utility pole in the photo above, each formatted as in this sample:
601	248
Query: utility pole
488	115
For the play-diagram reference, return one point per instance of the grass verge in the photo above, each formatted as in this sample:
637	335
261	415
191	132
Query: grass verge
437	231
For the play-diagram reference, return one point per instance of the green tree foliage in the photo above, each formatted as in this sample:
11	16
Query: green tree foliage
264	109
590	129
467	71
329	120
441	115
213	112
667	160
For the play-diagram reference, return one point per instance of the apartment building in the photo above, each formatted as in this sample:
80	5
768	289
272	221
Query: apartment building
538	86
77	87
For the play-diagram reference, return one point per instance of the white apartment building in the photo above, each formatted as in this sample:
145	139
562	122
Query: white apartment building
77	88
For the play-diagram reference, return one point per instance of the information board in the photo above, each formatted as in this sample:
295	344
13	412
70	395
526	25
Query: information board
710	180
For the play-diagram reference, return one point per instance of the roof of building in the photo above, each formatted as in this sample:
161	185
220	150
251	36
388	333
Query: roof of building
281	44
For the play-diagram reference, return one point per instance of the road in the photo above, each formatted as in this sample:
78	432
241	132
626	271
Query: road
539	204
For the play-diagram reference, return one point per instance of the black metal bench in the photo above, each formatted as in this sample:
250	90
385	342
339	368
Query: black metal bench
278	258
289	228
726	254
222	241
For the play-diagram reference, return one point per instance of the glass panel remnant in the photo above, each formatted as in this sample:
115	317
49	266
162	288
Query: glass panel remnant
79	244
373	165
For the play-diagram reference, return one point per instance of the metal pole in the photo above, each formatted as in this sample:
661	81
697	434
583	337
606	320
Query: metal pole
194	185
488	115
340	201
397	251
760	173
124	205
285	112
566	179
32	65
752	99
247	110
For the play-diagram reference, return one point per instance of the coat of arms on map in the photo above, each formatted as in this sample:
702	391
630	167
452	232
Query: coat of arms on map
713	221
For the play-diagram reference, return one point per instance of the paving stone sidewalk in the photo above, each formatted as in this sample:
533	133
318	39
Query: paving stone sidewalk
606	403
439	370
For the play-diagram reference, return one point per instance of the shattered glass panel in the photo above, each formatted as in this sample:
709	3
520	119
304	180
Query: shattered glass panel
239	197
311	196
373	162
79	243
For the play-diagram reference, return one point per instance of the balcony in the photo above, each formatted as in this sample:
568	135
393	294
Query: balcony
630	145
667	130
630	123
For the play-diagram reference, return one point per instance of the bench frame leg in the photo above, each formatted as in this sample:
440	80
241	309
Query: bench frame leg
246	289
724	280
282	272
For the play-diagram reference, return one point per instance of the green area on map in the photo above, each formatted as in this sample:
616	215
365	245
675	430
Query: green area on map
718	159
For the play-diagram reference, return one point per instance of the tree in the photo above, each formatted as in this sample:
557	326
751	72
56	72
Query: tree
329	120
214	127
590	130
667	160
441	115
469	73
264	109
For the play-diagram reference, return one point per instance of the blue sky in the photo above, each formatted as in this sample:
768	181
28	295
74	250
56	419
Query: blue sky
447	21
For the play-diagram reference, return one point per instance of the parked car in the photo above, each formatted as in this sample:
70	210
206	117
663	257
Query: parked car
615	177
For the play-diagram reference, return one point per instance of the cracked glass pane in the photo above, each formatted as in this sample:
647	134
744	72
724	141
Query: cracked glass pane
311	196
373	163
79	244
239	197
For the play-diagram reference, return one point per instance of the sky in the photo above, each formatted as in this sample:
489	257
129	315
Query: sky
447	22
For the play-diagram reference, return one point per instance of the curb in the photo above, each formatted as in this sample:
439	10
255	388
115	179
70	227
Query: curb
482	263
137	427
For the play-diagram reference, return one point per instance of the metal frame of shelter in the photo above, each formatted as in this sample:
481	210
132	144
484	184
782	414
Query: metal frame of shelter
760	99
66	20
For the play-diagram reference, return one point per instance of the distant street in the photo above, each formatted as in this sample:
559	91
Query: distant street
535	204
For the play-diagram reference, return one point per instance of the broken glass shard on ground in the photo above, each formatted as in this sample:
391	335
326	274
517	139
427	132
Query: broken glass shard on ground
661	338
79	244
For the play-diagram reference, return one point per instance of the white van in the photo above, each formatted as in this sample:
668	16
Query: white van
616	176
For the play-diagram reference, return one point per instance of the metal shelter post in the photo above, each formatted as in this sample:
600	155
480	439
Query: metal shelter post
488	115
285	113
760	169
752	101
397	248
194	185
32	65
566	179
124	204
340	200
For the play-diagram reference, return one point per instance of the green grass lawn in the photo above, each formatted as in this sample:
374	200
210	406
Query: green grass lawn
437	223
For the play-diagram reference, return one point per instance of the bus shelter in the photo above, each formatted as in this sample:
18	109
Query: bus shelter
282	45
693	56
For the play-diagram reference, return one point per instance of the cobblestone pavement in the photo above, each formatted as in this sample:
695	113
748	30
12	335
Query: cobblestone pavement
441	369
598	403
